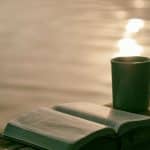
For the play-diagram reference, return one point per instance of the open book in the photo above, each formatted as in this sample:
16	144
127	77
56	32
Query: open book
81	126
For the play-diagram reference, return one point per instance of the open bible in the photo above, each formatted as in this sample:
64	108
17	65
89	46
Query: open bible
81	126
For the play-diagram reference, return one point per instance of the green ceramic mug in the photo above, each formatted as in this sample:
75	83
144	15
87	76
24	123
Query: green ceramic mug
130	83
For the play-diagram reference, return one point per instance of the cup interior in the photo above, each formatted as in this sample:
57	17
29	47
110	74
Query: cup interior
133	59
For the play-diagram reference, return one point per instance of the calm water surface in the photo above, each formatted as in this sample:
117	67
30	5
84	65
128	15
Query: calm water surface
56	51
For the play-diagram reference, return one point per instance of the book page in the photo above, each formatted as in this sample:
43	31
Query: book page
119	120
49	128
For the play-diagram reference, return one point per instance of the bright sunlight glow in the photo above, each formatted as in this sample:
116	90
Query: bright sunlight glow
127	45
134	25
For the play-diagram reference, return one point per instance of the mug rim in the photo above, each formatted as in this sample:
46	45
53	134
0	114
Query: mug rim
131	60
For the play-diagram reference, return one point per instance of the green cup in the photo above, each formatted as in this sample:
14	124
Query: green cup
130	83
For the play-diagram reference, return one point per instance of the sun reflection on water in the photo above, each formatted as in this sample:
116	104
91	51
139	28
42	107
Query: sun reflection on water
127	45
134	25
139	3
